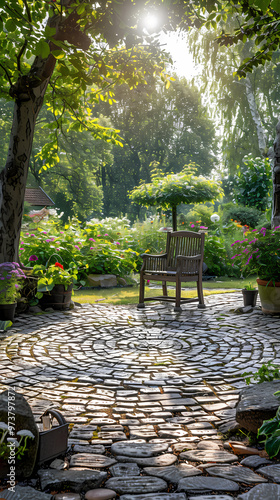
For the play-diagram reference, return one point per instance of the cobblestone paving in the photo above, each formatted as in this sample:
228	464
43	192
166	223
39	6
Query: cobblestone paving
148	391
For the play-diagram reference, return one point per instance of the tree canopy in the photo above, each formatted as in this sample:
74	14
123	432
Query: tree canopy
72	54
169	191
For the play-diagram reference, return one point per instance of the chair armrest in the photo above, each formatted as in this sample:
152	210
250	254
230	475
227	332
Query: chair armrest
156	263
157	256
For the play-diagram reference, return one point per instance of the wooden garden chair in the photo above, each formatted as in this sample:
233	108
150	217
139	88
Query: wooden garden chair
181	262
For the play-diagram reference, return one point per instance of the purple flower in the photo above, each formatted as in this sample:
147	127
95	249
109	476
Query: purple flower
76	246
32	258
48	241
252	241
106	234
32	235
44	232
237	241
203	227
91	239
91	248
117	243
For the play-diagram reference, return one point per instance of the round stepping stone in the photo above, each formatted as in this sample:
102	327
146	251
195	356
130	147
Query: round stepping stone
236	473
91	460
136	449
206	484
124	470
66	496
160	461
100	494
208	456
271	472
138	484
261	492
174	473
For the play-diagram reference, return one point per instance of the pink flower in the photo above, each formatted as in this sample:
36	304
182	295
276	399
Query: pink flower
117	243
192	225
91	239
98	236
26	234
32	258
76	246
44	232
48	241
106	234
91	248
32	235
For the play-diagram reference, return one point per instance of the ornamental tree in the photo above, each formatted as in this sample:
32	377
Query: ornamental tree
70	53
169	191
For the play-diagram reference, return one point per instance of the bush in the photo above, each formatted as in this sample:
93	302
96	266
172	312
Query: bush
216	258
248	216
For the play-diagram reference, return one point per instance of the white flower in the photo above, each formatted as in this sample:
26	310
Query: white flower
25	432
215	218
3	426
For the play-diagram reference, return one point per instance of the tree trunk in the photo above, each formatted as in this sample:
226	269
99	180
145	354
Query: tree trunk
275	217
174	218
13	177
256	117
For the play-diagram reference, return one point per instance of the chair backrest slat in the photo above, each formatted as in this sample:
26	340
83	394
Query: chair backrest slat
186	243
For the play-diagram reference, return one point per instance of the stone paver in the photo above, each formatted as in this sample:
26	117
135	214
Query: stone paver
148	391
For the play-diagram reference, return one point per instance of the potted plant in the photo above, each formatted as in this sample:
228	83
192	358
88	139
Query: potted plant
250	294
55	285
259	253
11	276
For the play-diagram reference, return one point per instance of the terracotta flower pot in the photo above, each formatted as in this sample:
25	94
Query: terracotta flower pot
269	296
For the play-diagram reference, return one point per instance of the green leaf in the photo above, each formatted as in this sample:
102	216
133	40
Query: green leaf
42	49
272	446
5	324
275	5
58	54
10	25
262	4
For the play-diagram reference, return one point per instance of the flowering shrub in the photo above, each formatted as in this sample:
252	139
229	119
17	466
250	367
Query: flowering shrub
259	253
10	282
53	275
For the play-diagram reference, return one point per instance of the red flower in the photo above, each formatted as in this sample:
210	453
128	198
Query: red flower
57	264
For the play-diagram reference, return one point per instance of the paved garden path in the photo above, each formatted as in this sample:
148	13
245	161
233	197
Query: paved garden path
154	387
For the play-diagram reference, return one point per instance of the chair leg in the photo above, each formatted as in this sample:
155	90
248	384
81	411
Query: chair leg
141	292
164	289
177	307
201	304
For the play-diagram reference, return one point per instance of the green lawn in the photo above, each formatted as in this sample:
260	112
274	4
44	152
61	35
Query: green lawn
129	295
